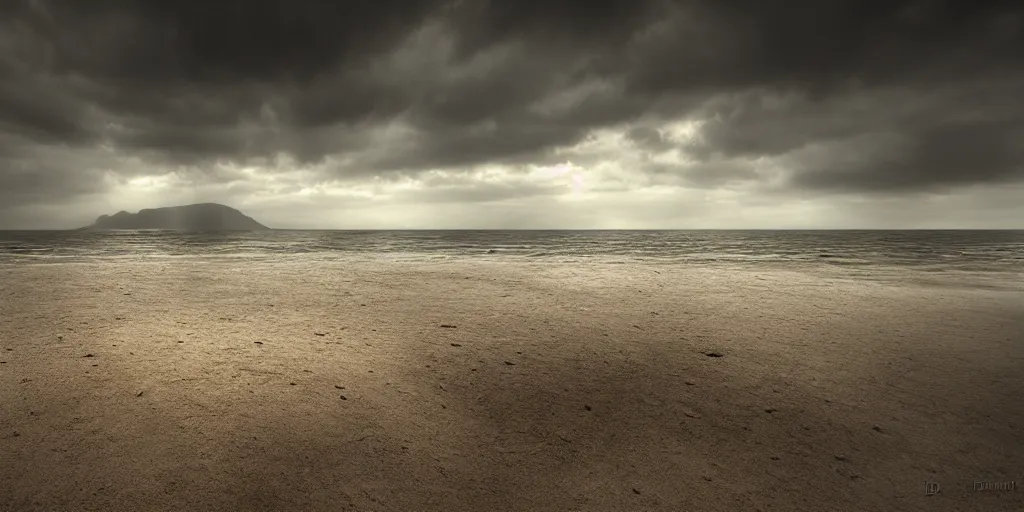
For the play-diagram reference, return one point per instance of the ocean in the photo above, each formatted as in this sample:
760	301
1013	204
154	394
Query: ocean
990	257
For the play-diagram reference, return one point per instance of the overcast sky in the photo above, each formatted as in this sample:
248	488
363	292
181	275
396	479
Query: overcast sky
516	114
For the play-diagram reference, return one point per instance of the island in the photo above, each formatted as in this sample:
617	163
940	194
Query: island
193	217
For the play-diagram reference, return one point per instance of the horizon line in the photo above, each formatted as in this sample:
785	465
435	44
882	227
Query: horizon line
529	229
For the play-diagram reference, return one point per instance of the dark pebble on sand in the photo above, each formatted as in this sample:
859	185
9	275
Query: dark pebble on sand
510	363
713	354
16	434
343	397
587	407
139	393
775	457
291	383
840	457
181	341
770	410
338	387
448	326
88	355
876	428
455	344
635	491
255	342
320	333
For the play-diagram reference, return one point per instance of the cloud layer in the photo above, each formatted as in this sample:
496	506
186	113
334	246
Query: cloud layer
482	106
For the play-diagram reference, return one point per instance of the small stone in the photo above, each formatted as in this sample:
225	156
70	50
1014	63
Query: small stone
338	387
713	354
840	457
320	333
255	342
587	407
770	410
635	491
88	355
16	434
343	397
291	383
510	363
182	341
139	393
448	326
876	428
455	344
775	457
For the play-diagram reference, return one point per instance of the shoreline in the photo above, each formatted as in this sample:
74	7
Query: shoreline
560	387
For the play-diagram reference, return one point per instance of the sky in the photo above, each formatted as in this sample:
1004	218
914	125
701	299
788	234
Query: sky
392	114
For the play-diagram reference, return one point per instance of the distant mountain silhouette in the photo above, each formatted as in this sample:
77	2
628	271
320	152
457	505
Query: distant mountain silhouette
193	217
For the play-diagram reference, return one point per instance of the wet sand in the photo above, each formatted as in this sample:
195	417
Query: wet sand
502	386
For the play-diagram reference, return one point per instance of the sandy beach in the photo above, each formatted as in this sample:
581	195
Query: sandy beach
376	386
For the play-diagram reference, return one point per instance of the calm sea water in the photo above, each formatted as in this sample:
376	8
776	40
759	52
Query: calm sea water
989	252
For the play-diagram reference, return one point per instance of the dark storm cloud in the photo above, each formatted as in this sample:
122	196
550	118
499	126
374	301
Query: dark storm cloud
474	81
